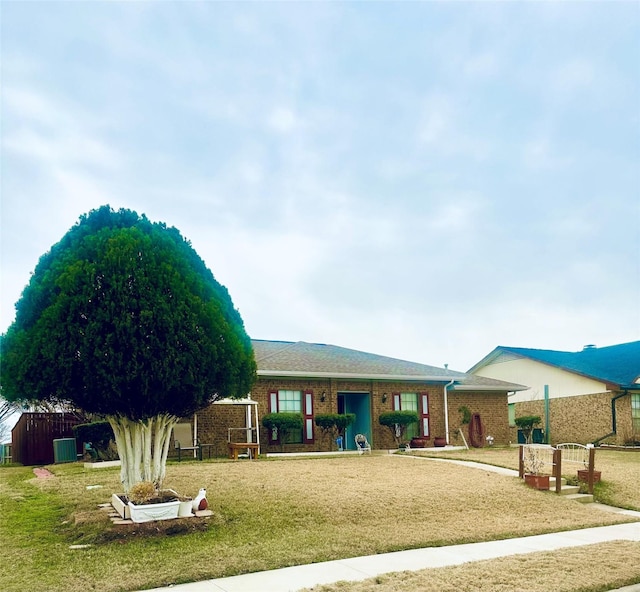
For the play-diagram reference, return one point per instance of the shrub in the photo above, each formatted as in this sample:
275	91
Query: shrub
466	415
100	435
142	492
526	423
334	423
397	422
280	424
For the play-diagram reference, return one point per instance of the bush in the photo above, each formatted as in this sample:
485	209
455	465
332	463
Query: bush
335	423
142	492
402	418
282	423
466	415
100	435
526	423
397	422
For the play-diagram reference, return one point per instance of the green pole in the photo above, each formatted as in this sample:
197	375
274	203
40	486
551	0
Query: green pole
547	430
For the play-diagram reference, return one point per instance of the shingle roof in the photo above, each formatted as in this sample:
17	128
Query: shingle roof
615	364
316	360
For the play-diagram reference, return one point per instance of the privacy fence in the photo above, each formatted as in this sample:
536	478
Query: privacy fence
33	436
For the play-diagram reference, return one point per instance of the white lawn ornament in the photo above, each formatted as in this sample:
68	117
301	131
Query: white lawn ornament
200	501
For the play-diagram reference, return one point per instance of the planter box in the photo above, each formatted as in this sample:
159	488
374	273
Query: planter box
121	507
439	442
537	481
583	475
105	464
150	512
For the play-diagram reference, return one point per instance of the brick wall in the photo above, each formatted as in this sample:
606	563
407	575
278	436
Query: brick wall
494	415
213	424
492	407
382	436
582	419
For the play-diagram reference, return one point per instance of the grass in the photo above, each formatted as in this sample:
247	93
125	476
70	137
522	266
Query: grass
620	471
267	514
594	568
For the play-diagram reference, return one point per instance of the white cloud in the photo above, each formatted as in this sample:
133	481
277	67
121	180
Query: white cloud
540	153
572	79
417	180
283	120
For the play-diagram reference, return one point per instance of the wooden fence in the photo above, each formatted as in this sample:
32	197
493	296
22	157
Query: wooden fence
543	459
32	437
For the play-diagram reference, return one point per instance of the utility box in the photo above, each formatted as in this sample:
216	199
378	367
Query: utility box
537	436
64	450
5	453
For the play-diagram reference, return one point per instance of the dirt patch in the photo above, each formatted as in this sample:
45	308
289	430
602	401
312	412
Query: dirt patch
158	529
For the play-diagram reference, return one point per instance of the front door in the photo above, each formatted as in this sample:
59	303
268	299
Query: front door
360	405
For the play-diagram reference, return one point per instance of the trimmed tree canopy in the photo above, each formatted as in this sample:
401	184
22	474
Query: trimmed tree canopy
335	421
527	422
123	318
283	421
397	422
401	418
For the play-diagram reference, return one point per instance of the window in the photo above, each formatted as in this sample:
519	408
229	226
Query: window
418	403
291	401
512	414
635	412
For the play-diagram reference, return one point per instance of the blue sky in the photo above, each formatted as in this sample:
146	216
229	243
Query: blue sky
421	180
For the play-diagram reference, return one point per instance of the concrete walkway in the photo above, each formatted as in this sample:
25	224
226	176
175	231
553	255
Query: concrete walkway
292	579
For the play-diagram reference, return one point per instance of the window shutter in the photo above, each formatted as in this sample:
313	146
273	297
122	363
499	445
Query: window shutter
396	401
424	414
273	408
307	407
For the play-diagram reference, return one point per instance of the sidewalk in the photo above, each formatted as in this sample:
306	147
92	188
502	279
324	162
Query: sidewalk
292	579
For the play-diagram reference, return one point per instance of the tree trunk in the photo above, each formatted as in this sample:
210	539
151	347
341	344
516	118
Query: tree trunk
143	447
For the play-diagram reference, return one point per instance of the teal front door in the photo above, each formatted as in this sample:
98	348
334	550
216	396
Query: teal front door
360	405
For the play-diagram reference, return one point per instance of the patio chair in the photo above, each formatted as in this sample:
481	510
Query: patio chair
183	439
362	444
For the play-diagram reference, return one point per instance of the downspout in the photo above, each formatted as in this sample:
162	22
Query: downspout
613	418
547	420
446	412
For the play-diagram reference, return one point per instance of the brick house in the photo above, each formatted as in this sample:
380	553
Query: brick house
313	379
592	395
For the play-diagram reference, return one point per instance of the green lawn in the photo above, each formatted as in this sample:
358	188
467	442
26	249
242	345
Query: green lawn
267	514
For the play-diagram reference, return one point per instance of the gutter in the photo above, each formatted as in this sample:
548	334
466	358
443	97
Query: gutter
613	418
359	376
489	388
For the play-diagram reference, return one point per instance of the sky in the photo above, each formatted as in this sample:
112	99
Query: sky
422	180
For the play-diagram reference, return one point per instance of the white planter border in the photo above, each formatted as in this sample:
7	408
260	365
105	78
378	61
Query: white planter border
105	464
151	512
121	507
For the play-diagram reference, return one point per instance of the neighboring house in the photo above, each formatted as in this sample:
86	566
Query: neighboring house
313	379
592	395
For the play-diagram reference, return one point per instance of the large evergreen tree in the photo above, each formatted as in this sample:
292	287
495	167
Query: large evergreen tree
122	318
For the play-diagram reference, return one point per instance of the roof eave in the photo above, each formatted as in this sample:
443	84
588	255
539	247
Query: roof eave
358	376
488	388
487	359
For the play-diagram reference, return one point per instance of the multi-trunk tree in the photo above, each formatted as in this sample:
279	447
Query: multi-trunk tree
123	319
